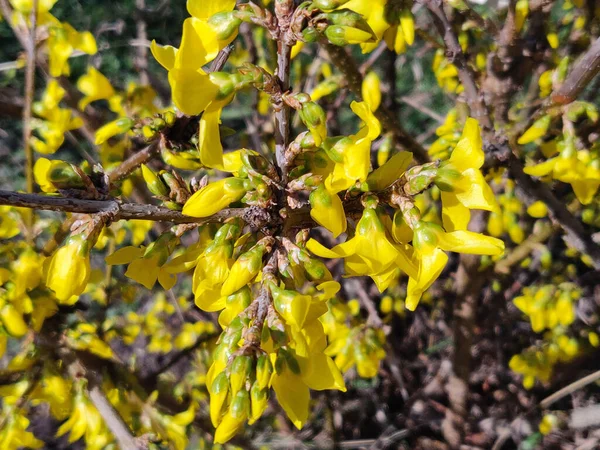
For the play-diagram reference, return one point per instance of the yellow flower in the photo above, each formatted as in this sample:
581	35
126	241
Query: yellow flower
201	41
328	211
573	167
371	90
429	242
62	42
214	197
85	421
147	265
94	86
369	252
68	270
352	154
9	226
462	183
14	434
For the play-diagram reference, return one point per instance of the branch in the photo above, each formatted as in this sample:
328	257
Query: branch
29	92
284	10
535	190
112	419
584	71
116	210
134	162
347	65
467	77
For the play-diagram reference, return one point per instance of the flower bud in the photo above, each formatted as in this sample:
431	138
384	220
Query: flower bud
259	399
13	321
536	131
264	370
214	197
383	153
328	211
154	183
314	118
240	371
343	35
218	394
234	418
113	128
371	90
68	270
292	306
244	270
225	24
328	5
350	19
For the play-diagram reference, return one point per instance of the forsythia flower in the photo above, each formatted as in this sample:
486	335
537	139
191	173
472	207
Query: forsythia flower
62	42
68	270
352	154
461	181
146	265
214	197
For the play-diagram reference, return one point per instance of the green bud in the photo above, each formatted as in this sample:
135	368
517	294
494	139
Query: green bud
224	82
225	24
328	5
264	370
259	400
154	183
240	371
348	18
148	132
170	117
446	178
63	176
240	406
158	123
310	34
173	206
342	35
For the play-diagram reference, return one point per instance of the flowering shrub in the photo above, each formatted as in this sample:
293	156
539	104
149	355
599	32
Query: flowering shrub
188	241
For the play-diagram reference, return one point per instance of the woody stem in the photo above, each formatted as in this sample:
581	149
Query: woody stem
283	11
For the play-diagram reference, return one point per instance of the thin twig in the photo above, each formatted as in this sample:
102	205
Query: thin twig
112	419
283	10
117	211
576	385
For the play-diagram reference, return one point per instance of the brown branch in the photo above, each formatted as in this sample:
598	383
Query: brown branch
455	54
134	162
117	211
283	10
524	249
111	417
347	65
584	71
534	190
29	93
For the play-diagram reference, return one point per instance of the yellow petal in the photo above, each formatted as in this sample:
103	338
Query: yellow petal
211	149
319	372
390	172
164	54
469	242
455	216
293	396
124	255
204	9
469	150
328	211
